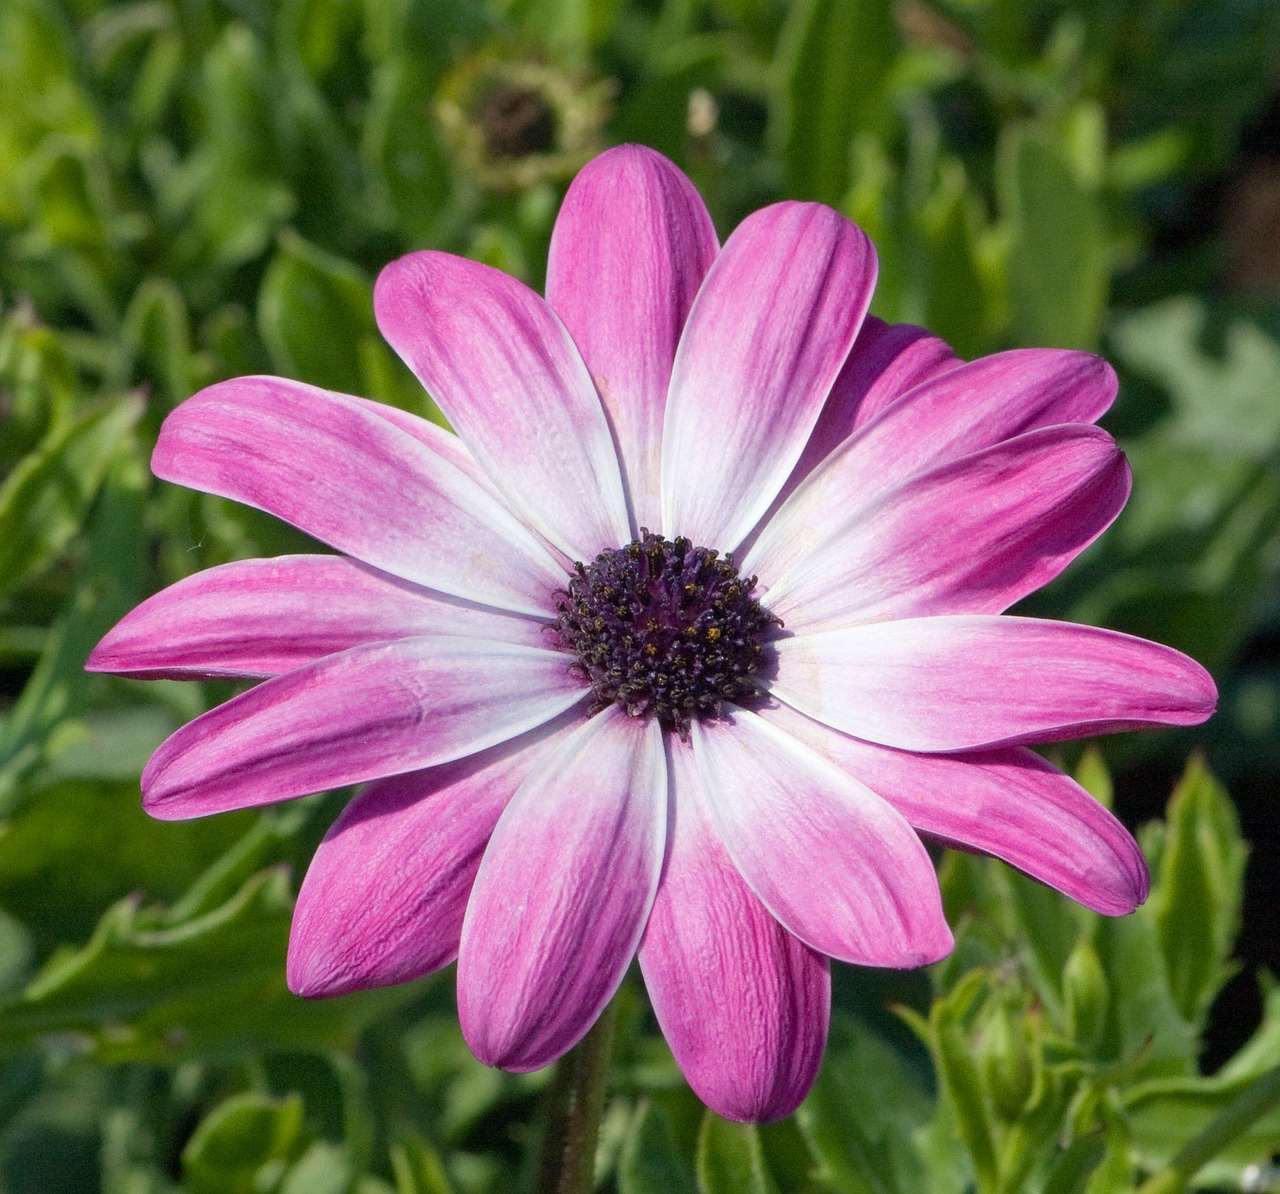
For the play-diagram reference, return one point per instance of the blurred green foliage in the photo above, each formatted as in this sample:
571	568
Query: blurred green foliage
195	189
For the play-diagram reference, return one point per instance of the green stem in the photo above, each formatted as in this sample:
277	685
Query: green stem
1259	1097
573	1121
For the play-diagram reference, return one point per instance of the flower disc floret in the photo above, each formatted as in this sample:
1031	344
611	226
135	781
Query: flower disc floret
665	629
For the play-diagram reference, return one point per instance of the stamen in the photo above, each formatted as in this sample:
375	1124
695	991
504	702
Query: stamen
664	629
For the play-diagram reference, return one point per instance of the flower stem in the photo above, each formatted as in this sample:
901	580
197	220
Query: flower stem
573	1122
1259	1097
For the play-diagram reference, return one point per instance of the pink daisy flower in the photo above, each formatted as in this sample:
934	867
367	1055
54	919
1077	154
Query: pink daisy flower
678	647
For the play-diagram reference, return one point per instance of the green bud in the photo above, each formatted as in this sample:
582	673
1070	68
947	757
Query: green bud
1087	995
1005	1056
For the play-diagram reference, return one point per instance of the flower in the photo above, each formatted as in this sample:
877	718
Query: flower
585	728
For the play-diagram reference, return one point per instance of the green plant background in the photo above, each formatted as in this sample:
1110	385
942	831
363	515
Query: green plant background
194	189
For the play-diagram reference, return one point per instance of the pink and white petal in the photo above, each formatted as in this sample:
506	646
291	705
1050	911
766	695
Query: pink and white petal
1007	802
630	248
443	443
886	360
838	866
970	680
364	714
384	896
563	893
767	335
255	618
743	1004
958	412
973	536
507	376
352	479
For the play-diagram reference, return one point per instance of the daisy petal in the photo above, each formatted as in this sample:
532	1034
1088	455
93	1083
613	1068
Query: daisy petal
443	443
384	896
1008	803
563	893
367	713
886	360
956	413
256	618
765	340
354	480
630	248
506	374
973	536
959	682
833	862
743	1004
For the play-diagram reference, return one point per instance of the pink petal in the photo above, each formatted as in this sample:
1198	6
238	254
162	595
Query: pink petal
256	618
958	682
325	463
743	1004
370	712
1008	803
631	246
833	862
563	893
973	536
886	361
385	894
506	374
441	442
954	414
765	340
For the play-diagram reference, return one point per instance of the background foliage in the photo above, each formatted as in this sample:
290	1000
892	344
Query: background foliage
195	189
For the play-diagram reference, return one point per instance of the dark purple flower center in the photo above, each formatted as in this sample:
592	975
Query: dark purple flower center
664	628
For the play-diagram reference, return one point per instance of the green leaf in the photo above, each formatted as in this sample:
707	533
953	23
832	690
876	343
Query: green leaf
828	91
418	1168
157	338
862	1113
210	988
323	1169
1198	893
43	502
1059	263
244	1140
731	1159
948	226
958	1071
55	692
409	168
1219	367
313	310
651	1161
1145	1028
315	314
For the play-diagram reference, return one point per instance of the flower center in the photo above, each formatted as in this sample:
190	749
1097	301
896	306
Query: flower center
664	628
516	121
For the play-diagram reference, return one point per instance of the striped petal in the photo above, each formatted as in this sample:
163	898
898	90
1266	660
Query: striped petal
563	893
838	866
958	412
354	480
384	896
973	536
1007	802
630	248
367	713
965	681
256	618
743	1004
767	336
506	374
